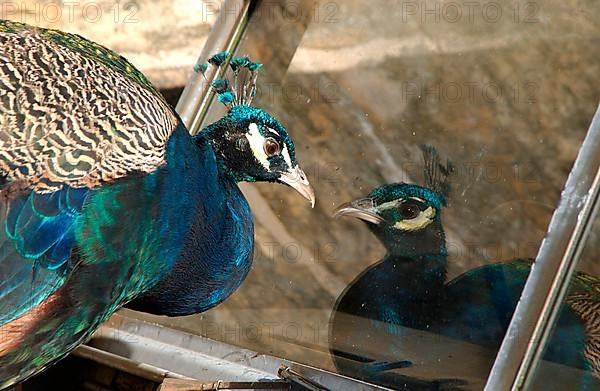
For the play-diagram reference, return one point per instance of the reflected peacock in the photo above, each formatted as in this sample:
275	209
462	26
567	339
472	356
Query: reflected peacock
106	198
408	287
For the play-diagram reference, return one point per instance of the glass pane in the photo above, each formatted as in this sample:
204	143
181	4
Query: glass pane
504	90
574	339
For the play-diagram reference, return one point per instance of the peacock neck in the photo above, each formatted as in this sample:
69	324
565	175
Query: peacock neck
215	251
417	262
411	244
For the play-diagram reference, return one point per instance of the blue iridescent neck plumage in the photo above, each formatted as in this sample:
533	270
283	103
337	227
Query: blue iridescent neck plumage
216	250
413	244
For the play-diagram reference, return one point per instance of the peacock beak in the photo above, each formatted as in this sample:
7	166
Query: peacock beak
360	209
296	178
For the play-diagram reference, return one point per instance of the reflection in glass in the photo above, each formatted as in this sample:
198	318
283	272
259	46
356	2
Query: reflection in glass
407	290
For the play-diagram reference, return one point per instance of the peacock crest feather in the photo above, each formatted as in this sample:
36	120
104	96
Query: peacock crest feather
436	172
239	88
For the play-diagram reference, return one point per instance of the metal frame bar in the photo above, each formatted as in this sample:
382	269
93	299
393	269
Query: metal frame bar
557	258
153	351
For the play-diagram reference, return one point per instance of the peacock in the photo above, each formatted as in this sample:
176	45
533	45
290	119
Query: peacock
409	288
105	198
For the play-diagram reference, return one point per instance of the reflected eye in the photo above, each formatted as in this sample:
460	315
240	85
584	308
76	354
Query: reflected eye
409	210
271	147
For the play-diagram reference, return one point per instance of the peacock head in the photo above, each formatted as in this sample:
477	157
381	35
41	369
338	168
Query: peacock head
249	143
403	215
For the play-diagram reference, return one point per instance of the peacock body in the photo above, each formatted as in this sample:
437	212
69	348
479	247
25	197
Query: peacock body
105	197
409	288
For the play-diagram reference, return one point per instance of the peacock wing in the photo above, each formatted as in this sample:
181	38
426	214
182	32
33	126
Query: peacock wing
36	240
77	121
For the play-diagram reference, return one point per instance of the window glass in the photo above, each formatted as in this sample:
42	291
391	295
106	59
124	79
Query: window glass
503	90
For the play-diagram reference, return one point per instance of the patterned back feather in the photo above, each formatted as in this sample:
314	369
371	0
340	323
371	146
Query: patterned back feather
584	300
73	112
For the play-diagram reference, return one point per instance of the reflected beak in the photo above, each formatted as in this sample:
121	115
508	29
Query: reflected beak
360	209
296	178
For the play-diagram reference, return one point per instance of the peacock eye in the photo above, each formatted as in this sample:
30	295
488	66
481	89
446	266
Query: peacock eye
271	147
409	210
